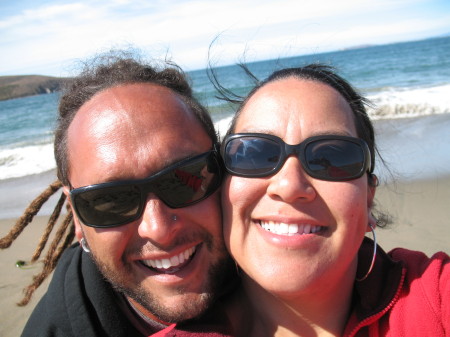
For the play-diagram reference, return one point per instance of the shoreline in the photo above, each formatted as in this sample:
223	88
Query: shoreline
416	196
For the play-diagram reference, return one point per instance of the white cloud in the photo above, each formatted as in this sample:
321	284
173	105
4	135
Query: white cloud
56	33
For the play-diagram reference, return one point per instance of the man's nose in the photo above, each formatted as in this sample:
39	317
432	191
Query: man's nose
159	222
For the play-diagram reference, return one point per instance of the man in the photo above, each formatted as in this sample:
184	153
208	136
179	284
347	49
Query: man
135	154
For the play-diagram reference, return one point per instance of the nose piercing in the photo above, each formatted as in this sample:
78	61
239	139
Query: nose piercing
174	217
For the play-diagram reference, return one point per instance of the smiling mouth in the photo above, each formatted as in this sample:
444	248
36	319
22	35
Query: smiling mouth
172	264
281	228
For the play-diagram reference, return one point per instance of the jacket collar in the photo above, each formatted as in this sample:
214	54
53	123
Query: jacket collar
378	291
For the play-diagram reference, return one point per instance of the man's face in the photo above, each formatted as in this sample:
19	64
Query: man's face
131	132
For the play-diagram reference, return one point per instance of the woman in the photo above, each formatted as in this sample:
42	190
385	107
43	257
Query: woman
295	217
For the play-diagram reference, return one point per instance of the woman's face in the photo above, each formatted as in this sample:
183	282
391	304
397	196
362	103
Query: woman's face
331	217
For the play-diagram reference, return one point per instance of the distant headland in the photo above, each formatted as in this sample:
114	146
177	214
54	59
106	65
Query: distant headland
28	85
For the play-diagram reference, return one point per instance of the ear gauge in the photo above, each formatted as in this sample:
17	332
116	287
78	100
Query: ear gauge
84	245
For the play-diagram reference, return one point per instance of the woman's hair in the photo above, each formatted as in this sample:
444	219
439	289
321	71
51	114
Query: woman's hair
104	71
313	72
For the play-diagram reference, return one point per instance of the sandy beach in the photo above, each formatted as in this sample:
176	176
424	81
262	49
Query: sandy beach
418	204
421	222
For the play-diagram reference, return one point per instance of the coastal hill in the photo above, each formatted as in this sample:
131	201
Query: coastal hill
28	85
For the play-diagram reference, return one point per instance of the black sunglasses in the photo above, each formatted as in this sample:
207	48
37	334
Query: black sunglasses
120	202
328	157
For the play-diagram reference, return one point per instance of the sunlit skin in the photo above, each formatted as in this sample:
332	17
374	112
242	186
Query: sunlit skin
131	132
301	283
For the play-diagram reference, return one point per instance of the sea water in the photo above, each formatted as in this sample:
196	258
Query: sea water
410	79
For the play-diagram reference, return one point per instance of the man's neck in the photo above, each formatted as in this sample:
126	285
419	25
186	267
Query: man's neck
145	314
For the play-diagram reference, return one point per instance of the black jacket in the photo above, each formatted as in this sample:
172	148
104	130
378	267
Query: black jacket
79	302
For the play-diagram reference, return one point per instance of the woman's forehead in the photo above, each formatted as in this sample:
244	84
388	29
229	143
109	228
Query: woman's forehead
297	104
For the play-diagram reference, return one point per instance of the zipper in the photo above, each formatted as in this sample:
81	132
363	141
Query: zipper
382	312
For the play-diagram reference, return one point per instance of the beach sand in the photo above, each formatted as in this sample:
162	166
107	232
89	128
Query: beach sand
415	149
421	222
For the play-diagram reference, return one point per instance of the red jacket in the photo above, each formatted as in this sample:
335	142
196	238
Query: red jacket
406	294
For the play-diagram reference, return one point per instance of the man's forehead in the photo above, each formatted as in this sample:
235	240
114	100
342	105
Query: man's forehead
134	104
133	94
134	126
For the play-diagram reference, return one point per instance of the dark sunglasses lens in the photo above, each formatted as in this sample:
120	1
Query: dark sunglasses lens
334	159
252	155
108	206
189	183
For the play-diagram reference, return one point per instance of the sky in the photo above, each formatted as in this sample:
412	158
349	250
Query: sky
52	37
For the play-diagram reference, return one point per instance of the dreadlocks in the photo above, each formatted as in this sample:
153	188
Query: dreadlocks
104	71
63	237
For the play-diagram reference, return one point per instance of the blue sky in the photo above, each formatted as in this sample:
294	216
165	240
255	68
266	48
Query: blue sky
49	37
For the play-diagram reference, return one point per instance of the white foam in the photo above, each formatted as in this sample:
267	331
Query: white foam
223	125
407	102
415	148
23	161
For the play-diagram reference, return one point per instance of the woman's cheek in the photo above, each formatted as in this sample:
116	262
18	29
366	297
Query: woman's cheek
239	196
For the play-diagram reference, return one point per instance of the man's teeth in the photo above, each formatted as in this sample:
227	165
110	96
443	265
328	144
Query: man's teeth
281	228
174	261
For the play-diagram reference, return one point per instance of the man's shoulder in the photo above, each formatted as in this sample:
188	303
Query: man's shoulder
51	317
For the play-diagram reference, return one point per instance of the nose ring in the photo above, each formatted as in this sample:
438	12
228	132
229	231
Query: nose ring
174	217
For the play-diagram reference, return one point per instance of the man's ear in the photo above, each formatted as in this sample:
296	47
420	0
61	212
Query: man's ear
78	232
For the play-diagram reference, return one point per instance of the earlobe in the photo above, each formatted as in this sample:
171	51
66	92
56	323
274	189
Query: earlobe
66	192
373	183
78	232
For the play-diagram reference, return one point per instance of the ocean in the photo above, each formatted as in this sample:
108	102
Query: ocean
409	80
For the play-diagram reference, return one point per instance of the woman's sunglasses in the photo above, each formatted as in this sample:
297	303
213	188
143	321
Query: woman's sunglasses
120	202
328	157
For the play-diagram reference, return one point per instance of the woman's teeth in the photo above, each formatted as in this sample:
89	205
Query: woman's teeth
163	265
281	228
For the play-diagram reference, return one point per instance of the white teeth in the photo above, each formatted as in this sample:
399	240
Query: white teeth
293	229
289	229
307	229
172	262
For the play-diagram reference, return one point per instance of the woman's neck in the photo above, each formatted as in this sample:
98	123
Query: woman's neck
260	313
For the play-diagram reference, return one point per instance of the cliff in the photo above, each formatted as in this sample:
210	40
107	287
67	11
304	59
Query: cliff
21	86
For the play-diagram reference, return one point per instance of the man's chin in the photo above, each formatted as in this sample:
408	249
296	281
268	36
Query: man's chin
182	304
186	307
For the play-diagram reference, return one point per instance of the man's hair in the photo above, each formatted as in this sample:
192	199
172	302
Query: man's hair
111	70
105	71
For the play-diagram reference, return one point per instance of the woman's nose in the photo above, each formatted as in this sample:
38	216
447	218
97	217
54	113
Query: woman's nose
291	183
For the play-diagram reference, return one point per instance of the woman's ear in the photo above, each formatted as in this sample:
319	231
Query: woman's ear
372	187
78	232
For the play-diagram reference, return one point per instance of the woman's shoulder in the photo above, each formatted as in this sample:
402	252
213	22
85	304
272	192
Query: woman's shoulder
424	301
426	277
418	262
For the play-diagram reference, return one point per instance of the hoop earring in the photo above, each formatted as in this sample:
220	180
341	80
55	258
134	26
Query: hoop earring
84	245
238	270
374	255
